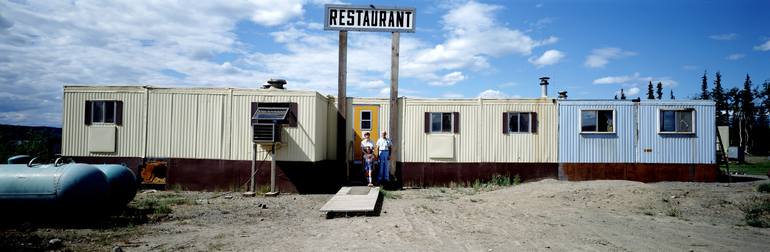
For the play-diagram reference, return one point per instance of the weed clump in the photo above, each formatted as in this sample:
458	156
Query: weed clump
757	212
764	188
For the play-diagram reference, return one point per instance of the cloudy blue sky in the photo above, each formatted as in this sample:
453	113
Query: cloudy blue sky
460	49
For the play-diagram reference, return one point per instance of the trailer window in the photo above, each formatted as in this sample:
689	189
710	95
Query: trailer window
441	122
677	121
519	122
597	121
103	111
366	120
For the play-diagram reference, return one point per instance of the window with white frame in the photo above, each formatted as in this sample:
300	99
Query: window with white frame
597	121
366	120
677	121
519	122
103	111
441	122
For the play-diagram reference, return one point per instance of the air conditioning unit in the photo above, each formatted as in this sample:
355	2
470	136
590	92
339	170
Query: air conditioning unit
266	133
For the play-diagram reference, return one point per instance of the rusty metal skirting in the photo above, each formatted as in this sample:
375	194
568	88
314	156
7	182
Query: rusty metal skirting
440	174
639	172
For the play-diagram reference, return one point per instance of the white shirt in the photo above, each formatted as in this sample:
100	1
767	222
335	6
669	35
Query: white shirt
367	143
383	144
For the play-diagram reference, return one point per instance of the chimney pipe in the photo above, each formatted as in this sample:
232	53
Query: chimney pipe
562	95
544	87
274	84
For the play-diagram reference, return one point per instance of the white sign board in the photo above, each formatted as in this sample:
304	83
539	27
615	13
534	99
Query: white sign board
368	18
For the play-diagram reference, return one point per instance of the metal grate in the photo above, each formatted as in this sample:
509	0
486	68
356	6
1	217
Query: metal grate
266	133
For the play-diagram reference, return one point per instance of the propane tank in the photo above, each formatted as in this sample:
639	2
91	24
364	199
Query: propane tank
122	183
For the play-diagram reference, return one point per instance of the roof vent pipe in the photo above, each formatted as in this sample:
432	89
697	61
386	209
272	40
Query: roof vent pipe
562	95
274	84
544	87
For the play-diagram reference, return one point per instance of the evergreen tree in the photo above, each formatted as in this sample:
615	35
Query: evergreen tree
616	97
622	95
747	113
718	95
704	88
660	90
672	95
650	92
733	107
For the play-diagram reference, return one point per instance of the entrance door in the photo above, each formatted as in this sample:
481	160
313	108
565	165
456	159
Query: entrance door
365	119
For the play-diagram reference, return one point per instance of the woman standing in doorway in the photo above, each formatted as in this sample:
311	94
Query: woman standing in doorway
367	147
384	145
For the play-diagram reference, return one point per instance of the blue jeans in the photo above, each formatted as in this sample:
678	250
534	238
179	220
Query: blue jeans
383	173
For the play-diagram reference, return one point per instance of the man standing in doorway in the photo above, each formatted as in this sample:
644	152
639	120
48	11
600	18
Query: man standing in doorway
384	145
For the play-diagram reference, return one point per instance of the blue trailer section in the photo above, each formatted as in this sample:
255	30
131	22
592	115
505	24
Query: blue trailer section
650	131
695	146
612	146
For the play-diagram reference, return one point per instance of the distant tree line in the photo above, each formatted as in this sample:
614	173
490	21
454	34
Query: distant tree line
42	142
744	110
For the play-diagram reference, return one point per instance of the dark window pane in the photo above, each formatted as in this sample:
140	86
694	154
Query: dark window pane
366	125
524	122
605	121
667	121
684	121
435	122
109	111
446	122
366	115
588	120
98	111
513	122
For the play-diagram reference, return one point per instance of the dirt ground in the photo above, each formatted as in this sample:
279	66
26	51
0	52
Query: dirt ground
544	216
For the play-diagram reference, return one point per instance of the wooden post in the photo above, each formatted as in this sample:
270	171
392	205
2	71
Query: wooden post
342	102
393	131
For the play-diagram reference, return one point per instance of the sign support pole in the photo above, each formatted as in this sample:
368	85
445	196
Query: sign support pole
394	100
342	106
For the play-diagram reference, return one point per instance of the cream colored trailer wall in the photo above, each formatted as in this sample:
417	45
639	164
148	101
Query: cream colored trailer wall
129	136
204	123
480	137
540	147
299	143
331	128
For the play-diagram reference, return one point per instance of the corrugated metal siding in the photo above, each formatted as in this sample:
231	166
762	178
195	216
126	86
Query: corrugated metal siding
575	147
698	149
481	138
494	146
196	123
130	135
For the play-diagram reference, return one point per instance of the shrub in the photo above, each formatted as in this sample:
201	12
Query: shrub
757	212
765	188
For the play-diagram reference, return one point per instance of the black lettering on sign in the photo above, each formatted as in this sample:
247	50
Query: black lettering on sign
382	18
390	19
408	13
400	19
332	17
358	17
350	17
342	17
366	18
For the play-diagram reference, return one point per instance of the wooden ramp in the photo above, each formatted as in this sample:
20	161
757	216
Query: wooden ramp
353	199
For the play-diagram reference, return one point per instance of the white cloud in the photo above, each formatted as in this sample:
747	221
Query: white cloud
724	37
492	94
473	35
735	56
271	13
549	57
689	67
635	79
632	91
452	95
763	47
449	79
602	56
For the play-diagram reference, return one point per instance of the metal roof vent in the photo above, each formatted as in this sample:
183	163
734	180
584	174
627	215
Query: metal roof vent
562	95
544	87
274	84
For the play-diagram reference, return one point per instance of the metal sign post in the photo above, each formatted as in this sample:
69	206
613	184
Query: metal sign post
344	18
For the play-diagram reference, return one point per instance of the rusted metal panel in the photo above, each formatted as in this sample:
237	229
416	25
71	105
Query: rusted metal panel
639	172
442	174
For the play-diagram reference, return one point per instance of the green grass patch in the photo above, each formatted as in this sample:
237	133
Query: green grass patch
759	168
390	194
160	203
757	212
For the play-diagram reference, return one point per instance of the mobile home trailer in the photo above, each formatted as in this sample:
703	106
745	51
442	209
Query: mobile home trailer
202	137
